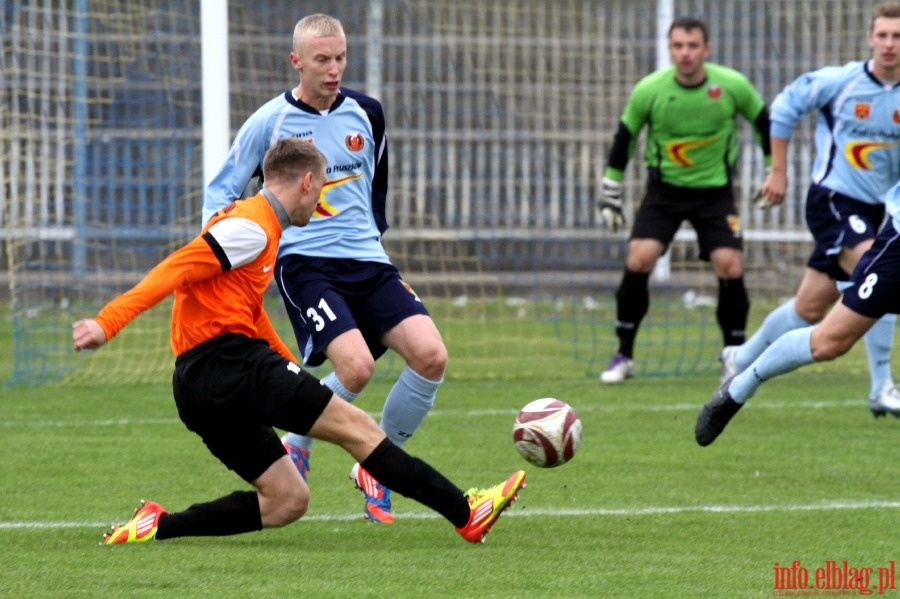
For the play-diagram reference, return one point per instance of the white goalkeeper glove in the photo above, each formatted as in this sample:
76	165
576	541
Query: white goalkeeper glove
610	204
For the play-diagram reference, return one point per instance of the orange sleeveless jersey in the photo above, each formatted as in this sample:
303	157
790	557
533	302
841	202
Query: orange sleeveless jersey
209	300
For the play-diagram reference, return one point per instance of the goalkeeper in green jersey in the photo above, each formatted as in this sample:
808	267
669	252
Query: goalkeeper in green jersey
691	151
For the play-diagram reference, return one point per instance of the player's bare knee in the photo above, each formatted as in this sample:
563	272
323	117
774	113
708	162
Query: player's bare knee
355	375
727	263
640	264
297	506
291	507
733	272
827	349
810	312
431	363
729	270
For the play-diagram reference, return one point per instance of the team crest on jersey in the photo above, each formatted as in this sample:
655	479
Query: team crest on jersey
714	92
355	141
897	117
863	110
411	290
734	223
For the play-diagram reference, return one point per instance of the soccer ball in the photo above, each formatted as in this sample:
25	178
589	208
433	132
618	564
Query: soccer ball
547	432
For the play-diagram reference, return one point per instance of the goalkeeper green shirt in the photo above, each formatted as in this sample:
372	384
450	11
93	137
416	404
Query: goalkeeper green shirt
692	136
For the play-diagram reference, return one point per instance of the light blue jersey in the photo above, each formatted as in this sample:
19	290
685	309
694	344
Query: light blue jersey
350	218
857	129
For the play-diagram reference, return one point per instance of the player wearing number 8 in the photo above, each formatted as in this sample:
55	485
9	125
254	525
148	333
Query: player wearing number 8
874	290
857	143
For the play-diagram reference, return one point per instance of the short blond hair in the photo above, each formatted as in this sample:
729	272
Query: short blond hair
317	25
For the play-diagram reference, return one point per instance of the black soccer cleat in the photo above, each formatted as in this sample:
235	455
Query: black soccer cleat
715	414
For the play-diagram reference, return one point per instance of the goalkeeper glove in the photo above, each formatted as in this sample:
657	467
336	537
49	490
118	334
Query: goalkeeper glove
611	204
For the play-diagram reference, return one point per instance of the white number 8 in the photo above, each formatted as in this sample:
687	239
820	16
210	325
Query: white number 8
868	286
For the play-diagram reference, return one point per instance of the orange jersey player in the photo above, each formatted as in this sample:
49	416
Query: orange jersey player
235	380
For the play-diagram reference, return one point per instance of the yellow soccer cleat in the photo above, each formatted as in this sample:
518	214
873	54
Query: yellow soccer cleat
486	505
141	528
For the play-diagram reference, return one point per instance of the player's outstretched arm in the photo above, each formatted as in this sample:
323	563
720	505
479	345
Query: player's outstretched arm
88	334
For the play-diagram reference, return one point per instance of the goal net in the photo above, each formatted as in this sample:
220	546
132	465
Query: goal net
500	115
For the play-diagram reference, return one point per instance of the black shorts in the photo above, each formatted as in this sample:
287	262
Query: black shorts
875	282
837	221
232	390
326	297
711	213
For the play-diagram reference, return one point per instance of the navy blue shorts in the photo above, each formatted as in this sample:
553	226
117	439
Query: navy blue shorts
232	390
711	213
326	297
837	221
875	289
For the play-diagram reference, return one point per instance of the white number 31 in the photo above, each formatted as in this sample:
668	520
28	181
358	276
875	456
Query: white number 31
314	315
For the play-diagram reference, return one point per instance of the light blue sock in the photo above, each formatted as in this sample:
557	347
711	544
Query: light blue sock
879	342
331	381
407	405
782	319
789	352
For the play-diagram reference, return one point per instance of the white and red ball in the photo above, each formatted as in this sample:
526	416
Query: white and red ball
547	432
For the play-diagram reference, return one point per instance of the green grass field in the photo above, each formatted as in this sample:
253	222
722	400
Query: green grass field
803	473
